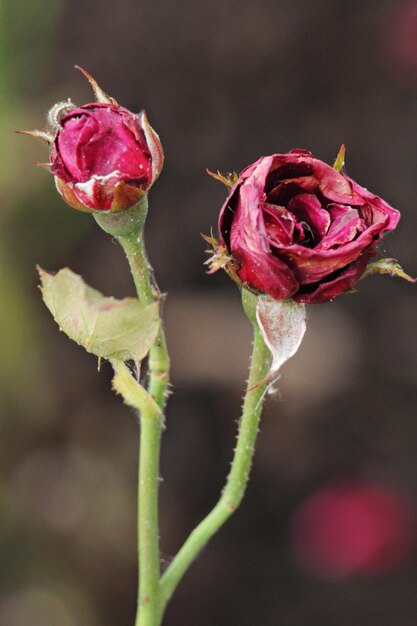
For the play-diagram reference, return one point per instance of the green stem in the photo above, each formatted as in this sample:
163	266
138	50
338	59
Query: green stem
148	478
128	229
159	362
238	476
150	422
148	527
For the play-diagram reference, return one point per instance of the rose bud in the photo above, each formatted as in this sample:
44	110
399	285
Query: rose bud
353	527
103	157
295	227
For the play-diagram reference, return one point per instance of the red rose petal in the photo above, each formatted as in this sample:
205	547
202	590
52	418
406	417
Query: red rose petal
308	209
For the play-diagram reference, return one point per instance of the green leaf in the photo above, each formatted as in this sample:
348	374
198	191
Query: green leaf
387	266
109	328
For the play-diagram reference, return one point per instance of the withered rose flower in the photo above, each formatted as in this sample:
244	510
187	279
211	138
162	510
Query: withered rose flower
295	227
103	157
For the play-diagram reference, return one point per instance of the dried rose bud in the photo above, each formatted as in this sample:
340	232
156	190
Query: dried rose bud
103	157
295	227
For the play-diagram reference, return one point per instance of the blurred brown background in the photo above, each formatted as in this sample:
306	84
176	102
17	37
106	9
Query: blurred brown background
223	83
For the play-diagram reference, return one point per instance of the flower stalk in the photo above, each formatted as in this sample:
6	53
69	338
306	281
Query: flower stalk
148	527
158	362
151	424
151	421
128	229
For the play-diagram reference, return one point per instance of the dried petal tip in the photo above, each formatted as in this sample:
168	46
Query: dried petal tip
99	94
38	134
154	145
387	266
229	179
339	163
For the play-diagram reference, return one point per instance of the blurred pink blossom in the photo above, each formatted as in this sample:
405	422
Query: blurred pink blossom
351	527
402	39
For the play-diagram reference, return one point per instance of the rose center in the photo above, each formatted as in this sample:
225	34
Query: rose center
302	221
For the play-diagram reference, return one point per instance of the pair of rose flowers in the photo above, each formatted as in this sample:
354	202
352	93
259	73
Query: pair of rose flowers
292	226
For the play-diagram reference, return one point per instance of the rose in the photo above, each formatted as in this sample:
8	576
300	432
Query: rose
104	157
350	527
295	227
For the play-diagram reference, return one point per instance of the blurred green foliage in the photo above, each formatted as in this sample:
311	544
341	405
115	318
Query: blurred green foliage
30	222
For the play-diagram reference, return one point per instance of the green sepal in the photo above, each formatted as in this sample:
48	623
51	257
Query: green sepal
339	163
124	223
387	266
229	179
107	327
249	302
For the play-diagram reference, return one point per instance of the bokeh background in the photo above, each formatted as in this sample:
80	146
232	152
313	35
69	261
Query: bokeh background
223	83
